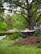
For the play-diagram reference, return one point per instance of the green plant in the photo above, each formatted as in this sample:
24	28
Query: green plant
39	46
14	36
3	26
37	33
19	22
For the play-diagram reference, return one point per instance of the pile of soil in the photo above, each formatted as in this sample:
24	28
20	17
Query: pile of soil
32	41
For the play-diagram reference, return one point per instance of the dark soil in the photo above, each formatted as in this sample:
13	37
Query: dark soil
32	41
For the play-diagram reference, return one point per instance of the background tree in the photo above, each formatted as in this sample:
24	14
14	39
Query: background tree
28	11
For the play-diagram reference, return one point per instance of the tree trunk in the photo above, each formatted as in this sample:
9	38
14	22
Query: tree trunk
31	19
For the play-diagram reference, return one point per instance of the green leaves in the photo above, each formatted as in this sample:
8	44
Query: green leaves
3	26
19	22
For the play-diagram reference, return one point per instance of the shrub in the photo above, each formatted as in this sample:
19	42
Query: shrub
3	26
37	33
39	46
14	36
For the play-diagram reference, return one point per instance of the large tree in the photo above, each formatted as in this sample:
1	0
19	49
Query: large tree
30	10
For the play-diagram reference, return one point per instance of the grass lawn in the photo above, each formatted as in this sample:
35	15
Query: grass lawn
6	48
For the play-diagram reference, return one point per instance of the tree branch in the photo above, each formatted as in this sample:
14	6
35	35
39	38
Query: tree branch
36	8
19	4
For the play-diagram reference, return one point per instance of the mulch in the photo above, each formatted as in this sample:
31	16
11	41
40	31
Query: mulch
31	40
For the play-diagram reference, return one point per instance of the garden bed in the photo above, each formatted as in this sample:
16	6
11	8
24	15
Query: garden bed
31	40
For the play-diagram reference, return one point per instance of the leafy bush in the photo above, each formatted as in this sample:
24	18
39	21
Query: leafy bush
39	46
37	33
19	22
3	26
15	36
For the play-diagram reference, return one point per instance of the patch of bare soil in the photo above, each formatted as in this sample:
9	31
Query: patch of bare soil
32	41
